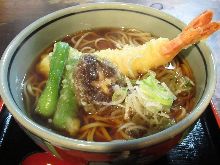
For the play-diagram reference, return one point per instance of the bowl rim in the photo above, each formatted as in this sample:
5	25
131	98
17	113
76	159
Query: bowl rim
102	147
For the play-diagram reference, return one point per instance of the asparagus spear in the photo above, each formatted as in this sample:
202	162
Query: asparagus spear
65	117
47	102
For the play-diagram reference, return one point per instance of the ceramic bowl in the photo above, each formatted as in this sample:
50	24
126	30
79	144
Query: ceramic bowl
21	52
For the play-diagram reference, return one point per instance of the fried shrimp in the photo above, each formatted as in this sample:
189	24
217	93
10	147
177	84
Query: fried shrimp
134	60
198	29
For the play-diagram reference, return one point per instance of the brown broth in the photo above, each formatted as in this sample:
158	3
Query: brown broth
100	33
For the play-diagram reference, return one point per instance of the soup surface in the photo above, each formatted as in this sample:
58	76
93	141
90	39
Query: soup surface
115	107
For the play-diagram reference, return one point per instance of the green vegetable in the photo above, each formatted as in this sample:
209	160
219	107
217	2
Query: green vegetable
156	91
65	117
47	102
119	94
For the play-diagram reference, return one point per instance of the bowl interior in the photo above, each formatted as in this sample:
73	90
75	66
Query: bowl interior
35	38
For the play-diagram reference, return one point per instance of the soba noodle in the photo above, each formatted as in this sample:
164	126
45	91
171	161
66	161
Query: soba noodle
109	122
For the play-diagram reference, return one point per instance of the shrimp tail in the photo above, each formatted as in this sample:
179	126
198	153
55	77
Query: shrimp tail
198	29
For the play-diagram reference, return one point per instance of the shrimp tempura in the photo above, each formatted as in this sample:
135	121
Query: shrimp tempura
135	60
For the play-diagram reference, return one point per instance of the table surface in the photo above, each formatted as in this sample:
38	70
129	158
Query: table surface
16	15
